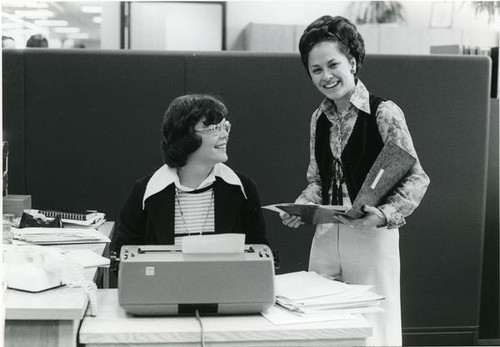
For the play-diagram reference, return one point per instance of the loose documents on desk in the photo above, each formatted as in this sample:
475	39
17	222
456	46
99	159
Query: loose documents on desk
303	297
157	280
57	236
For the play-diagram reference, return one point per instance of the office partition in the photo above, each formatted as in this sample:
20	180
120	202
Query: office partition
86	124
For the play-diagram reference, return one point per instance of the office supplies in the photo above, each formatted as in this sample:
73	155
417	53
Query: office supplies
389	168
87	258
16	204
310	213
312	297
70	215
215	243
161	280
92	222
38	220
55	236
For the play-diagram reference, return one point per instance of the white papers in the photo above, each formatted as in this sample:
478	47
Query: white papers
217	243
277	315
54	236
306	284
87	258
307	296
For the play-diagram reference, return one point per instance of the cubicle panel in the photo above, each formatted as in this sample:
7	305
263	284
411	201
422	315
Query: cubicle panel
446	104
490	290
93	123
13	118
91	127
270	101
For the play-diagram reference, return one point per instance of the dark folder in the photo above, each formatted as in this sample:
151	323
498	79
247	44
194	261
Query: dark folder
391	165
310	213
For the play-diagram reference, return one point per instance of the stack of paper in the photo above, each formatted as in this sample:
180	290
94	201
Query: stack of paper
313	297
56	236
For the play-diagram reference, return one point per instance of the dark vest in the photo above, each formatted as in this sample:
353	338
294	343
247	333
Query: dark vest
363	147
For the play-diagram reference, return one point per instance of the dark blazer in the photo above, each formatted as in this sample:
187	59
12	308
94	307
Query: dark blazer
154	225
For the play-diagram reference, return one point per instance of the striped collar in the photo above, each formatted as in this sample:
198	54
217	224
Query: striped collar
165	176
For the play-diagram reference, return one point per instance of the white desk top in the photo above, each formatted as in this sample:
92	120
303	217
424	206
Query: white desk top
114	326
55	304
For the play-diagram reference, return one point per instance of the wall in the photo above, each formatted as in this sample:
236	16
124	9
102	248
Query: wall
412	37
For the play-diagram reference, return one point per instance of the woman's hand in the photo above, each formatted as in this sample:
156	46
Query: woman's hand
290	221
374	218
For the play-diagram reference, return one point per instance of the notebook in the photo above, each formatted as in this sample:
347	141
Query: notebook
73	215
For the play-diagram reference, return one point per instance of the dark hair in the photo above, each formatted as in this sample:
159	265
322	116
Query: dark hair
335	29
179	138
37	41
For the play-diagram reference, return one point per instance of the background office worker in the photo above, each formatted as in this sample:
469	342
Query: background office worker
347	132
193	193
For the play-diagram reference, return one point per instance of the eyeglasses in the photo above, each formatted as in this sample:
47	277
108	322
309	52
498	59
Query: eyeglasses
215	129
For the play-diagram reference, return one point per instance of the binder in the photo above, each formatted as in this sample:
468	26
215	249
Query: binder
71	215
391	165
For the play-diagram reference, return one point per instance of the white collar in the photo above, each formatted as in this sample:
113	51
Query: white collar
165	176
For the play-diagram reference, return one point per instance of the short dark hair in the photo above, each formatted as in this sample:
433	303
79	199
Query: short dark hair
37	40
335	29
179	139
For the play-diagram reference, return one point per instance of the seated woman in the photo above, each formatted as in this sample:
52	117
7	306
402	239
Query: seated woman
194	193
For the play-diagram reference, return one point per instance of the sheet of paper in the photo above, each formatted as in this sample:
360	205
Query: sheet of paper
277	315
87	258
307	284
217	243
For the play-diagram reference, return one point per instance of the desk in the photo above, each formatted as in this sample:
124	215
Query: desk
114	327
49	318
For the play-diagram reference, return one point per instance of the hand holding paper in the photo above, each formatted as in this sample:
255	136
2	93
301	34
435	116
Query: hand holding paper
372	219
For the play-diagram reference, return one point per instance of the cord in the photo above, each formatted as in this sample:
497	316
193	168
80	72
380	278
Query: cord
202	332
75	277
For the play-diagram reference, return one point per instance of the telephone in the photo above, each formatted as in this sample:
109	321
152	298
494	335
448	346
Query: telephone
34	269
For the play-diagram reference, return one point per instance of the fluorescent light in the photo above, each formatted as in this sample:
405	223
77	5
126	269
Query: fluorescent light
66	30
97	19
83	36
91	9
21	32
25	4
34	13
11	26
52	22
26	24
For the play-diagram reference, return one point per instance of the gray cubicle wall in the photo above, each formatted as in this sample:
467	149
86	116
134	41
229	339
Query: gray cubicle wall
85	124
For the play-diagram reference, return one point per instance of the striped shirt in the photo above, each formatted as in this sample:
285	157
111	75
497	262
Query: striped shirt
194	212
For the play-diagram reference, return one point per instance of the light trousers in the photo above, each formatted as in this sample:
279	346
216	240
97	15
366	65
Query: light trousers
364	257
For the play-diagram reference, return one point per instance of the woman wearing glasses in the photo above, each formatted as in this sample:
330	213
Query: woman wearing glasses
348	131
193	193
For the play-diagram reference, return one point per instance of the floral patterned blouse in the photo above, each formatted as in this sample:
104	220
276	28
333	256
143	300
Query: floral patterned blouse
392	126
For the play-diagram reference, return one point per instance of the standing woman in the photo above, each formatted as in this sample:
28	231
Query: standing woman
347	132
194	192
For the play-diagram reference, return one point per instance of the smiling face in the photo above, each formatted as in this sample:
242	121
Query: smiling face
213	145
330	71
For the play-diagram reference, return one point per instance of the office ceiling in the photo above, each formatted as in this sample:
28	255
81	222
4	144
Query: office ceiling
19	20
